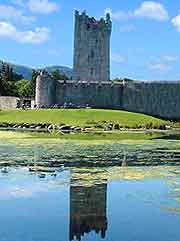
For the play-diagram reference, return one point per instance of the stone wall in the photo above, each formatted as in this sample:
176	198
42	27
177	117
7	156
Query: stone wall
8	102
160	99
94	94
156	98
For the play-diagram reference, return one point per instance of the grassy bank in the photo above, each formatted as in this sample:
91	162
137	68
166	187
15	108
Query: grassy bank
114	136
81	118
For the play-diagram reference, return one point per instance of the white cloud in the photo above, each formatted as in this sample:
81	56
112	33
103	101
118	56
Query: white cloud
148	9
6	29
160	67
42	6
170	58
164	58
119	15
153	10
38	36
117	58
176	22
11	13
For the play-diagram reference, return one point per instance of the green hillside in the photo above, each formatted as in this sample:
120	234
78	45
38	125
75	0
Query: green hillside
79	117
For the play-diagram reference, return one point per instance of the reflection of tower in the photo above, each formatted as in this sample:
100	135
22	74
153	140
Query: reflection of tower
88	210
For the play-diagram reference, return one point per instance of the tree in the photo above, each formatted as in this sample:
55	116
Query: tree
5	76
24	88
11	89
58	76
33	81
8	78
2	78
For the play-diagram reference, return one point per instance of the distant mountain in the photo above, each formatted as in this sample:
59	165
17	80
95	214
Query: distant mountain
27	71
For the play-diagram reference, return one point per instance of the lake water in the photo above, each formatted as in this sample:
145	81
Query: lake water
128	191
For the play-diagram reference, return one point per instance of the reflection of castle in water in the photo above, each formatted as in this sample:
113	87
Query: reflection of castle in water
88	210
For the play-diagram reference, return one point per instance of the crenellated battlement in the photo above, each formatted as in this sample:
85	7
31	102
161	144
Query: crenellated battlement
91	22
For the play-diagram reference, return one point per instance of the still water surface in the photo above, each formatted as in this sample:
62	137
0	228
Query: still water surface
112	192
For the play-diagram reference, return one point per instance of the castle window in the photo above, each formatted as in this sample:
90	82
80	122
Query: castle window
92	70
92	54
88	26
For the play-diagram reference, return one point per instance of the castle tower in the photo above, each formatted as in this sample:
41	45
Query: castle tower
45	90
92	48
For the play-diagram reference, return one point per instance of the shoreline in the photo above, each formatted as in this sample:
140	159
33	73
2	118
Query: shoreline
112	136
123	130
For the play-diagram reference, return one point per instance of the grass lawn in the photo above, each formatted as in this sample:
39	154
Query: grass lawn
78	117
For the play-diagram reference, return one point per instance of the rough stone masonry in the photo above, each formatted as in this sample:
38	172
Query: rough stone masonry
92	48
91	82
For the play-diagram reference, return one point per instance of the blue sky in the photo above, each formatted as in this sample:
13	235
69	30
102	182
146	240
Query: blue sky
144	45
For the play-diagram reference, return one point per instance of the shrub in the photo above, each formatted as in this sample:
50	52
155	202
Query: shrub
116	126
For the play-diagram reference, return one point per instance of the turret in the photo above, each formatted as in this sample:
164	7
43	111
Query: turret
45	90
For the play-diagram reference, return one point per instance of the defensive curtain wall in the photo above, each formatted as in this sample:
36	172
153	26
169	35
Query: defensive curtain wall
8	102
154	98
91	83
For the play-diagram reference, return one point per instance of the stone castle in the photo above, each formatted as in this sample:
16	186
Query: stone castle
92	48
91	83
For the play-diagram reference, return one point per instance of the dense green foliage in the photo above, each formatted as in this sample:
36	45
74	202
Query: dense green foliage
33	82
58	76
12	84
8	80
24	88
